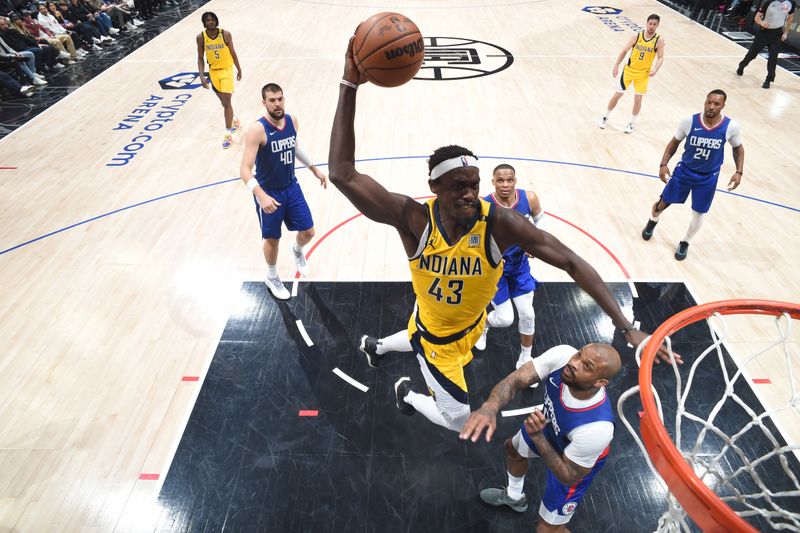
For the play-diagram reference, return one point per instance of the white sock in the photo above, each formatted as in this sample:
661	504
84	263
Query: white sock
515	484
694	225
272	271
525	353
397	342
608	112
633	119
297	248
653	219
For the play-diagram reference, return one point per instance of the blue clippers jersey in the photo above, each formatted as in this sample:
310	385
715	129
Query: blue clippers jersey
704	148
514	256
562	420
275	160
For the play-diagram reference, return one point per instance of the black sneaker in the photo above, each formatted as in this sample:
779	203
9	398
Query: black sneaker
765	85
369	345
740	70
682	251
401	388
647	232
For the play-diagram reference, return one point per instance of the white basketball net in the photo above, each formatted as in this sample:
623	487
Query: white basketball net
727	464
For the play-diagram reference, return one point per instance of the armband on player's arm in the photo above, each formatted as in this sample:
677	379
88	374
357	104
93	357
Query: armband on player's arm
301	156
539	220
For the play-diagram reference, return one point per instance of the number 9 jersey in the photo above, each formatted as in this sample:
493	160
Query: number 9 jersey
454	281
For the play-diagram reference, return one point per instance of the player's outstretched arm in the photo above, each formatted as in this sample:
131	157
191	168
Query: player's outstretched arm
485	418
366	194
512	228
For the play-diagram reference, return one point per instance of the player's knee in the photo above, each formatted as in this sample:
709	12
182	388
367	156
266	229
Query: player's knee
527	321
456	416
500	319
511	450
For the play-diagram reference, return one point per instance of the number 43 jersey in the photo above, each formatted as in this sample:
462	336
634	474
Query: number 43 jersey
455	281
704	149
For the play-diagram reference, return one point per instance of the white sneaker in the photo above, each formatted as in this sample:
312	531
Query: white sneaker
603	123
26	88
300	262
39	81
63	55
629	128
95	47
113	31
137	21
130	26
481	344
276	287
523	360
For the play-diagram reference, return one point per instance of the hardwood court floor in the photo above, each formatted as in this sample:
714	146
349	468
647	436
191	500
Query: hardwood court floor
100	322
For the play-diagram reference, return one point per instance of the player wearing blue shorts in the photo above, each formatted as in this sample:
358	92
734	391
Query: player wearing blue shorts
698	170
271	146
517	282
572	436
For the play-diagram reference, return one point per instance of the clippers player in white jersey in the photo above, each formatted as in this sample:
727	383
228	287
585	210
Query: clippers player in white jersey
698	170
572	436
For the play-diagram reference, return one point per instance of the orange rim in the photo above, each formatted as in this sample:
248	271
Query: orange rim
699	501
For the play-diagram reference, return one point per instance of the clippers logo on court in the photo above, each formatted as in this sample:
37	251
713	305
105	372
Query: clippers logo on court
569	508
180	81
602	10
611	18
458	58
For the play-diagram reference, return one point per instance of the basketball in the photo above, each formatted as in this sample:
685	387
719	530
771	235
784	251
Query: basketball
388	49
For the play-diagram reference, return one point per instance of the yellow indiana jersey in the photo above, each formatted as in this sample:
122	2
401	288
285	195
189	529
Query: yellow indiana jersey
454	282
218	54
643	53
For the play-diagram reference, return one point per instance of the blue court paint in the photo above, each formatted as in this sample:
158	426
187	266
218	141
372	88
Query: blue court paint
393	158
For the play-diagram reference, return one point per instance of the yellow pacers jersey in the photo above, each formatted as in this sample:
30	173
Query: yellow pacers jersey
455	282
642	54
218	54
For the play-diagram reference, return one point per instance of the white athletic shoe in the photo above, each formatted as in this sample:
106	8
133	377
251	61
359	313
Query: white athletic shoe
629	127
300	262
521	361
39	81
113	31
276	287
481	344
603	123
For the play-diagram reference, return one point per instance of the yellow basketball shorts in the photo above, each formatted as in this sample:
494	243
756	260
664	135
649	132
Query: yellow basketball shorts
448	360
222	80
638	79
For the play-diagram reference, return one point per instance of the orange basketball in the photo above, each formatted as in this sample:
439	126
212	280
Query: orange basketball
388	49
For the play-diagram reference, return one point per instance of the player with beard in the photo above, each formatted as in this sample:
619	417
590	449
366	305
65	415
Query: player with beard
271	145
454	244
698	170
572	436
218	47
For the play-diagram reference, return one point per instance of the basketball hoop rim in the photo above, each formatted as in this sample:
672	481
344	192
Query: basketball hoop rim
700	502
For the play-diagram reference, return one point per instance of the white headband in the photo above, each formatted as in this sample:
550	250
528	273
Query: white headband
456	162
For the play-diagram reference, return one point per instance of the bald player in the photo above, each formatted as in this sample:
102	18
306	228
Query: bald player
572	436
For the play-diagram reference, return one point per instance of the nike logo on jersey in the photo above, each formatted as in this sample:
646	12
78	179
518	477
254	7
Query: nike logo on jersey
272	133
553	382
698	129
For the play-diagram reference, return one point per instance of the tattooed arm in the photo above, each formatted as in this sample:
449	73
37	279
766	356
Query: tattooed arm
502	393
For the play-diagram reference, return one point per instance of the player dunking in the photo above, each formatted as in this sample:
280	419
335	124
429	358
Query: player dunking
698	170
454	244
517	284
572	436
218	47
643	48
271	145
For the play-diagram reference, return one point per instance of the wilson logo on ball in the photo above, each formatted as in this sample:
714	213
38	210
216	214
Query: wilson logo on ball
417	47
